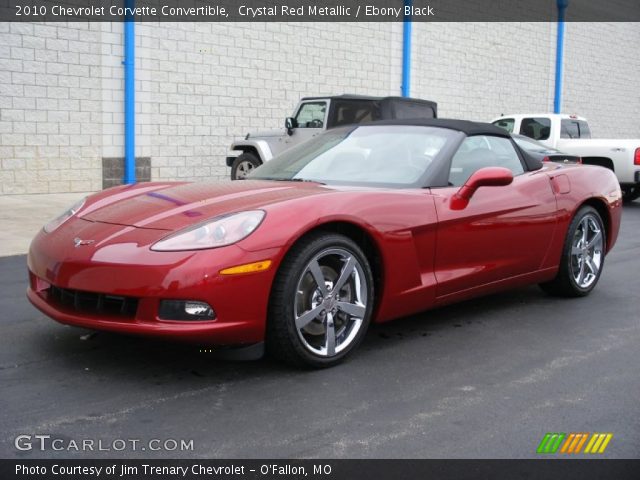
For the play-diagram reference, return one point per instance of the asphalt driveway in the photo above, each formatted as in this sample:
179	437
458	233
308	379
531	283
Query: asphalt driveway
483	379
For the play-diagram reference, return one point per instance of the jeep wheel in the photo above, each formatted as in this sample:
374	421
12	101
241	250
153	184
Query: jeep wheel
243	165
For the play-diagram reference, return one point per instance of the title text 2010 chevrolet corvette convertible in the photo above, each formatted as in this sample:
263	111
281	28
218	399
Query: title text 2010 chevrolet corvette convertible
360	224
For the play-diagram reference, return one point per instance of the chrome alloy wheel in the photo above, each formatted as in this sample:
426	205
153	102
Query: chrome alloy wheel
330	302
587	251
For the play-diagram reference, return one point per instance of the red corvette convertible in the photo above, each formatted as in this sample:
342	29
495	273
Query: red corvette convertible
361	224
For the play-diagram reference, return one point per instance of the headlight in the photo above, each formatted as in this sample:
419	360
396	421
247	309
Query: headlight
217	232
59	220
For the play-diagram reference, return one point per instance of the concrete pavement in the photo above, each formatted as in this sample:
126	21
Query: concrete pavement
21	216
485	378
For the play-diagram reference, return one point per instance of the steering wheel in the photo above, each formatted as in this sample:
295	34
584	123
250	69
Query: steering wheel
315	123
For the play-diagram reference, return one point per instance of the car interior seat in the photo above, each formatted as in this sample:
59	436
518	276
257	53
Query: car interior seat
466	163
544	133
528	130
348	116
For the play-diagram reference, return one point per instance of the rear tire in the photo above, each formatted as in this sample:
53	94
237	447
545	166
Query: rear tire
243	165
321	302
629	194
582	256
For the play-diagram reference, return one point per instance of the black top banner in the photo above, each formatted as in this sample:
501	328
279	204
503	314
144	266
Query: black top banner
320	10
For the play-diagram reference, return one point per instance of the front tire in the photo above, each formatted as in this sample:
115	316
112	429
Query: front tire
582	256
321	302
243	165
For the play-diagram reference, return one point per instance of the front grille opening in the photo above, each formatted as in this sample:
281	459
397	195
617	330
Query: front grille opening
90	302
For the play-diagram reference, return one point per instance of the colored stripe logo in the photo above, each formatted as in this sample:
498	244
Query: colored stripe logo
598	443
573	443
550	442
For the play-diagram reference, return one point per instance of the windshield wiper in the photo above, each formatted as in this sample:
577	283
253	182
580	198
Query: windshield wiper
305	180
276	179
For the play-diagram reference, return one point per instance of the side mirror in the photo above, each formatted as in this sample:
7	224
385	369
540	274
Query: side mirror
290	123
485	177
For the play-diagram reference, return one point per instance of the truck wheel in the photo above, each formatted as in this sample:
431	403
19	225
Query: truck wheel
243	165
629	194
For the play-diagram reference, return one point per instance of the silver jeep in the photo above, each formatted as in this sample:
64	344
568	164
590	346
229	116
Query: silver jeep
314	115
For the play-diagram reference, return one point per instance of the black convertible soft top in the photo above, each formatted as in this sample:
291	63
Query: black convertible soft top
467	127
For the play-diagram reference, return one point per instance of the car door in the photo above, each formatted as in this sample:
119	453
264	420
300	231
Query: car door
503	231
310	119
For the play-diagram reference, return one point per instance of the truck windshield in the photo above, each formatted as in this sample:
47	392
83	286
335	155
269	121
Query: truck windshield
386	155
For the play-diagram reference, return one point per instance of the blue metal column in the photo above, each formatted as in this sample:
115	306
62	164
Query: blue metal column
129	97
557	100
406	53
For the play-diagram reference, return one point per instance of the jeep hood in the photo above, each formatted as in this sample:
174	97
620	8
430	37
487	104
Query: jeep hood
266	133
172	207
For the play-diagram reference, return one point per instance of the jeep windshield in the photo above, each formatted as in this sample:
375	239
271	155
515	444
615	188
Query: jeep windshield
384	155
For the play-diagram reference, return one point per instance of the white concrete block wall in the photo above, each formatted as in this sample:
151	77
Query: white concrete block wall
50	112
602	77
199	85
202	85
478	71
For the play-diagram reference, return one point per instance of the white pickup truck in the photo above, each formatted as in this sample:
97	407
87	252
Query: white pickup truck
571	134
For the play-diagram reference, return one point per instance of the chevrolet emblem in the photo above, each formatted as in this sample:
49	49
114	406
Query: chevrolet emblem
78	241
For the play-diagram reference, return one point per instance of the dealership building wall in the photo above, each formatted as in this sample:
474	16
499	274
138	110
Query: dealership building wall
200	85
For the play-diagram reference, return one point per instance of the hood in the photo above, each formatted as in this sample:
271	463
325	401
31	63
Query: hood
175	206
267	133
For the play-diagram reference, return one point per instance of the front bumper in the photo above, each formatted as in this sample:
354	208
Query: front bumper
231	157
204	333
132	270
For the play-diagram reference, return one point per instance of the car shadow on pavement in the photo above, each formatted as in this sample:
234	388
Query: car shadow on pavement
475	312
161	362
156	361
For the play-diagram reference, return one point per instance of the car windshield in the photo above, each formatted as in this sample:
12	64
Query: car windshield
385	155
